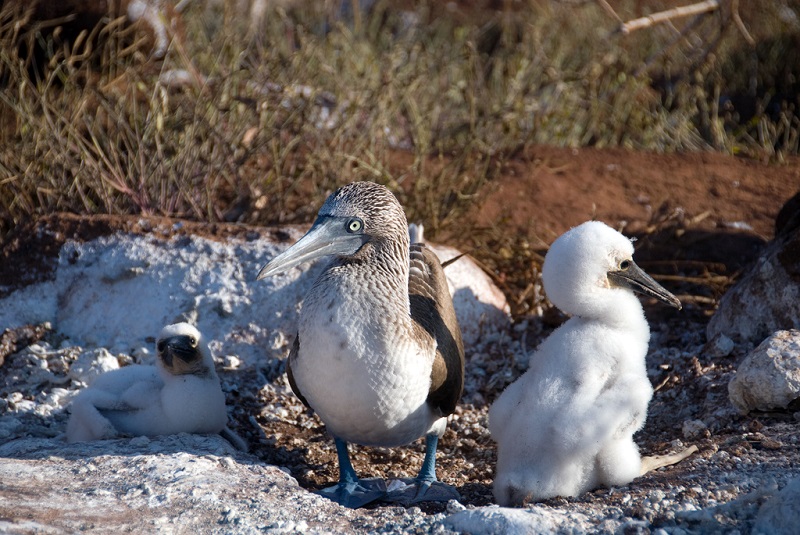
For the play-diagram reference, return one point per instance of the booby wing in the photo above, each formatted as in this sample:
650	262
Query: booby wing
433	312
292	356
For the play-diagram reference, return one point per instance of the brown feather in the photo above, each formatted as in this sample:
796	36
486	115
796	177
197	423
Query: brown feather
292	357
432	310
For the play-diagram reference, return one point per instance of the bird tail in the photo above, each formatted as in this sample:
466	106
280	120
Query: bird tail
236	441
415	232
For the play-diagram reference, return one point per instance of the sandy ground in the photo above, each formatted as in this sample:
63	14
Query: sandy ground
694	213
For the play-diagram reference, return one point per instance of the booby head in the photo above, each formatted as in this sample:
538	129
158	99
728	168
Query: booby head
181	350
357	214
590	264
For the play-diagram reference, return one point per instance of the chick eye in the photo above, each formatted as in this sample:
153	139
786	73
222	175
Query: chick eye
625	264
354	225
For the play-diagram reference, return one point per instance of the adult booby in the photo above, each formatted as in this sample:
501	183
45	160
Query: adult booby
181	393
378	353
566	426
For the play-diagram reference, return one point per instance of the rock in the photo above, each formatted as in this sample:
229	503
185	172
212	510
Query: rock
479	303
172	484
780	515
13	340
693	429
118	291
491	520
788	218
181	483
769	377
92	364
719	346
8	425
767	297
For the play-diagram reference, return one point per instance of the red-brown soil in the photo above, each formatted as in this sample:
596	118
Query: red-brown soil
547	190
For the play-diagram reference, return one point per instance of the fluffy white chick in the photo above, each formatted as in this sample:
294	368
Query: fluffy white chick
181	393
566	426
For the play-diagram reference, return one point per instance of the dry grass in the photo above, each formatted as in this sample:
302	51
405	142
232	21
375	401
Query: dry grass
270	121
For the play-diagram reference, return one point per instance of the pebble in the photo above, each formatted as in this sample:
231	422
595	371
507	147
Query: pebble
231	362
693	429
140	441
453	506
720	346
91	364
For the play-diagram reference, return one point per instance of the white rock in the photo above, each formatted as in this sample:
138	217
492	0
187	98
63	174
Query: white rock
780	515
480	305
509	521
765	299
454	507
57	398
231	362
176	480
143	355
91	364
769	377
116	291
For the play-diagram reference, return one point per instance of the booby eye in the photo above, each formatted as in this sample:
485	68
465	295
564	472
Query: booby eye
624	265
193	341
354	225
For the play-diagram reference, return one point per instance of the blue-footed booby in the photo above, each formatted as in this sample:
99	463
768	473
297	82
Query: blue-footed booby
566	426
378	353
180	394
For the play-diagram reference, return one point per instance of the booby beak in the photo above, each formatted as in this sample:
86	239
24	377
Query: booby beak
181	346
328	236
632	277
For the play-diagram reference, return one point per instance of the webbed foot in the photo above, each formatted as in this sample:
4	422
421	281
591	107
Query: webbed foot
409	491
355	494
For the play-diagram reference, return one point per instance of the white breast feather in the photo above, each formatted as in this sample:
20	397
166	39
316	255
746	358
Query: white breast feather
363	375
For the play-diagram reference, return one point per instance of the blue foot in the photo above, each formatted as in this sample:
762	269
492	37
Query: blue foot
409	491
425	487
356	494
351	491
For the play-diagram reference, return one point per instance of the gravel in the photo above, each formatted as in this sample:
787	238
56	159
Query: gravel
742	480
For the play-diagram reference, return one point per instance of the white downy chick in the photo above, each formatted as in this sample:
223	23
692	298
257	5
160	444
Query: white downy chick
182	393
566	426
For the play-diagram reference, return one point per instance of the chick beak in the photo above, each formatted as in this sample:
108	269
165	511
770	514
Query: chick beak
176	347
634	278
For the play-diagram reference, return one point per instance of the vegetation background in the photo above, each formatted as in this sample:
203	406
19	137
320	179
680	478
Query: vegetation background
254	116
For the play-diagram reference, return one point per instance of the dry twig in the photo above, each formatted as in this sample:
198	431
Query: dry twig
670	14
667	16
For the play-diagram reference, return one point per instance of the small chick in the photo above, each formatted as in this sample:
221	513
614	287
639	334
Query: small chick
566	426
181	394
